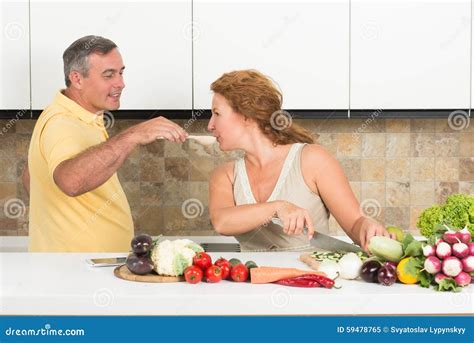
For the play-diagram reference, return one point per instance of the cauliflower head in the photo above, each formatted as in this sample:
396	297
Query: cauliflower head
173	257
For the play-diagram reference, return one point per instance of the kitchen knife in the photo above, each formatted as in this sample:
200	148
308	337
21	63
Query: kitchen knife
326	242
322	241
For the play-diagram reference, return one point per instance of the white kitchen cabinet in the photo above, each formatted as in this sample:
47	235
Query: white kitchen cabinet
410	54
14	56
302	45
152	37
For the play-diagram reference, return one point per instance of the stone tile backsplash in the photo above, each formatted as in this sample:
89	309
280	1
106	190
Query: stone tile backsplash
396	168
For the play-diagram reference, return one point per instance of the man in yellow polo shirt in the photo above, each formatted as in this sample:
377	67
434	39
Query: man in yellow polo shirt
76	201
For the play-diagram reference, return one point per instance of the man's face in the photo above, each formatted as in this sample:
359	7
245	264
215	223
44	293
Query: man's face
102	88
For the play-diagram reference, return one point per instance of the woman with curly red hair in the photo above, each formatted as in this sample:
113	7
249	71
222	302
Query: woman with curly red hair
285	182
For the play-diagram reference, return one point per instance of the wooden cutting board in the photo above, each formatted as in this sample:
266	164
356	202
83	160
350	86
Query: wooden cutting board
310	261
122	272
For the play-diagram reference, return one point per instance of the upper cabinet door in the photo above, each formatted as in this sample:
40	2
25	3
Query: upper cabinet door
303	46
152	37
410	54
14	56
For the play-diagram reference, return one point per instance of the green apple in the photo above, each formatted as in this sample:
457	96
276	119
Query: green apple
399	234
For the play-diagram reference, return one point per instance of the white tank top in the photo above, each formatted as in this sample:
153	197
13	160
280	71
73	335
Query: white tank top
291	187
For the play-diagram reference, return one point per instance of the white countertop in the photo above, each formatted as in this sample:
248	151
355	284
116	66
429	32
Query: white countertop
63	284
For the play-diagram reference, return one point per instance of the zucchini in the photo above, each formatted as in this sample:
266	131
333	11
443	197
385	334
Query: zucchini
386	248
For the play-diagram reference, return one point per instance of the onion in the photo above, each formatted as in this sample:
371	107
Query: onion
330	268
350	265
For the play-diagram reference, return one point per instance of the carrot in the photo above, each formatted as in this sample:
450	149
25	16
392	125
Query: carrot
272	274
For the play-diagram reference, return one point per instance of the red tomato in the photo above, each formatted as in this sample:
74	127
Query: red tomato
225	266
213	274
239	273
193	274
202	260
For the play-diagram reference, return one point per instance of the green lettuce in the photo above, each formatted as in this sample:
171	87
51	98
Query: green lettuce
457	212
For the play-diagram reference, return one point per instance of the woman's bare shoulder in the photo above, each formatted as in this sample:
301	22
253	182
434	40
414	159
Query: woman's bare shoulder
316	153
316	160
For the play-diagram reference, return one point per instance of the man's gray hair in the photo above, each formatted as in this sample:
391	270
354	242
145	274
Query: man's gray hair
76	56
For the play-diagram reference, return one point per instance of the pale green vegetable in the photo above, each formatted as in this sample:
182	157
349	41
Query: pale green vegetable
194	246
180	263
386	248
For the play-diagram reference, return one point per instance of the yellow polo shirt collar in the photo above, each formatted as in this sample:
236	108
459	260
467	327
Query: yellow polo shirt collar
78	111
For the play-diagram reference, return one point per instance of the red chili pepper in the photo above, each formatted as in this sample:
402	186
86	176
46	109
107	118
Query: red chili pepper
307	280
298	283
324	281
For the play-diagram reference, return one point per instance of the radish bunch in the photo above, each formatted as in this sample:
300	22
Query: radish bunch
452	256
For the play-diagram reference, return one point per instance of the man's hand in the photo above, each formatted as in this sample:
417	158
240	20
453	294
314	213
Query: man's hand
150	130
